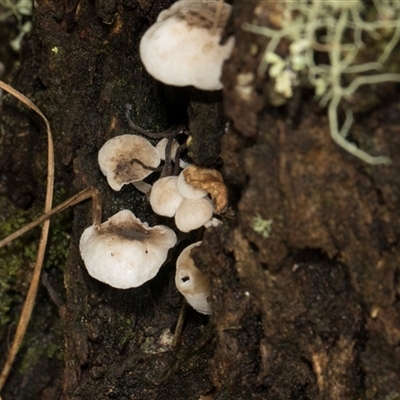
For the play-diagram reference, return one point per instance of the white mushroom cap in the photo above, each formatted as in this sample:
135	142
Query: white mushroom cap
117	155
193	213
164	196
124	252
182	49
192	283
188	191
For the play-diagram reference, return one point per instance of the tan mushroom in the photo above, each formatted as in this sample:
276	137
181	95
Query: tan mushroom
209	181
123	159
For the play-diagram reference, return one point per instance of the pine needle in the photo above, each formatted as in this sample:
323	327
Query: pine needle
31	296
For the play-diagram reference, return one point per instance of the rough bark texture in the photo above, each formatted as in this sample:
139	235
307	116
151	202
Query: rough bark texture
307	310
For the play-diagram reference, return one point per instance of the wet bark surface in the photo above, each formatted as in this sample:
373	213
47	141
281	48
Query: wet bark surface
304	271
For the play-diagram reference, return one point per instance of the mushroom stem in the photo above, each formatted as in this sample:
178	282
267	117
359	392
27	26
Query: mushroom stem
176	161
143	165
170	134
97	204
149	134
52	293
179	324
167	170
143	187
85	194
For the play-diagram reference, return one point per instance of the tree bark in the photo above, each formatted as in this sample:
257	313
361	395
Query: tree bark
305	268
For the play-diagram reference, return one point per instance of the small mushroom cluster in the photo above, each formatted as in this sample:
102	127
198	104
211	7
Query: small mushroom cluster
128	159
182	48
125	252
172	196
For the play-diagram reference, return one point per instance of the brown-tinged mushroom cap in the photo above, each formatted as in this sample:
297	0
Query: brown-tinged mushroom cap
118	160
187	190
125	252
183	47
192	283
209	180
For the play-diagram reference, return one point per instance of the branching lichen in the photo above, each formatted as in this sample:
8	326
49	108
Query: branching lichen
21	10
338	29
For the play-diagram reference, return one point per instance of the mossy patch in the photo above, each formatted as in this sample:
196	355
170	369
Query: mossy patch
16	259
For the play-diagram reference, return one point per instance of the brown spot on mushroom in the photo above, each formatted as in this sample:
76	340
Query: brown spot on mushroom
125	252
126	159
130	230
202	14
210	180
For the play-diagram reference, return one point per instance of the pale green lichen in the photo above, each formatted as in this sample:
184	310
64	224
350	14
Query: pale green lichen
262	226
344	25
21	10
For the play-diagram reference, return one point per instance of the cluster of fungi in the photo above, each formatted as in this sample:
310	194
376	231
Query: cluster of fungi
182	48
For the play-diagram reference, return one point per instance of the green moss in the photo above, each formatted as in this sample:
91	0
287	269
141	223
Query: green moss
16	259
60	235
38	344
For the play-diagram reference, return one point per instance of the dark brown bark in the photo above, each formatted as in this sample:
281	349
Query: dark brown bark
310	311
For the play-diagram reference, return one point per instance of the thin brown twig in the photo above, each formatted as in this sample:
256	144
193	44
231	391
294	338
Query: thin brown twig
85	194
167	169
179	324
144	166
144	132
31	295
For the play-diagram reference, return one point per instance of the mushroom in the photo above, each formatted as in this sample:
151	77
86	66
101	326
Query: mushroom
164	196
183	47
193	213
209	180
187	190
125	252
127	159
192	283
